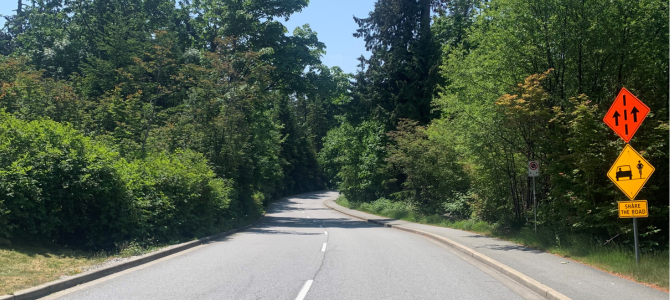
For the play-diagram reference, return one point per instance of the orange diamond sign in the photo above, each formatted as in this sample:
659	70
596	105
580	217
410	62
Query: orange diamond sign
626	114
630	172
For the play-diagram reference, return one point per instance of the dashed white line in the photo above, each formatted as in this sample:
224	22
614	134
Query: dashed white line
323	248
304	290
320	226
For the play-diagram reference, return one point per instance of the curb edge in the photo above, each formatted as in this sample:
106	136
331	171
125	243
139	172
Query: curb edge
58	285
523	279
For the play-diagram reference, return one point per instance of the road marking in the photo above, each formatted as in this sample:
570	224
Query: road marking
320	226
323	248
304	290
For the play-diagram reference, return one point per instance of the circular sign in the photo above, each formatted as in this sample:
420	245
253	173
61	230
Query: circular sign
533	165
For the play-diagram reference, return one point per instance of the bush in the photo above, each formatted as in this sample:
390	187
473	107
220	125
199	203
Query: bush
178	195
354	157
434	181
58	184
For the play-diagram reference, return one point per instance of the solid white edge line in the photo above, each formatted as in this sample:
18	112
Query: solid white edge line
323	248
304	290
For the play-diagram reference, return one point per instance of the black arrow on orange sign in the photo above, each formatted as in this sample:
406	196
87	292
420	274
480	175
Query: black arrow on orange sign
616	118
634	113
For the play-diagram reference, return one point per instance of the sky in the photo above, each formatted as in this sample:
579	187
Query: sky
331	19
334	24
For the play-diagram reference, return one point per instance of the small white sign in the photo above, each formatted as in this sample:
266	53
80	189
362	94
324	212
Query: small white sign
533	169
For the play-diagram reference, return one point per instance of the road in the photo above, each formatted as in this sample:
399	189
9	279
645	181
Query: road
302	249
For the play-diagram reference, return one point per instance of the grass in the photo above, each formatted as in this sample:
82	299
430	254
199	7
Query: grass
26	264
616	259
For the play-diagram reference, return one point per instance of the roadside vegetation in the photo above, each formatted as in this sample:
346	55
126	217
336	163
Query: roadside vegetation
606	255
151	122
450	107
131	125
28	264
137	122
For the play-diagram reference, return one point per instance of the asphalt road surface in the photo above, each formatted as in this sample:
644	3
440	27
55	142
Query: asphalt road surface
303	250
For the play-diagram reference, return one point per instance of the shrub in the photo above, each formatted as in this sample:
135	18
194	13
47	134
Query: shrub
354	157
178	195
58	184
63	186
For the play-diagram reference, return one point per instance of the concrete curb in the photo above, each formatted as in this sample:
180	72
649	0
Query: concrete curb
66	283
532	284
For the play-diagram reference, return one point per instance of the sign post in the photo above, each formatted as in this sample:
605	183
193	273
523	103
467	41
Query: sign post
630	171
634	209
534	171
637	244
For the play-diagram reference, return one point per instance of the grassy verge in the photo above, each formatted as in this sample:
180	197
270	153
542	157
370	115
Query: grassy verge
617	259
28	264
25	264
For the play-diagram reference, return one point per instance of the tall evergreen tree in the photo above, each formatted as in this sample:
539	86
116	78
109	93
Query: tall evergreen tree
400	72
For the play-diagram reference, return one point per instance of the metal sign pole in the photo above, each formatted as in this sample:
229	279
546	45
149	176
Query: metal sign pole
637	245
534	205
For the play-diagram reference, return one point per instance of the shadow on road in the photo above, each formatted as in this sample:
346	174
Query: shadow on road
512	247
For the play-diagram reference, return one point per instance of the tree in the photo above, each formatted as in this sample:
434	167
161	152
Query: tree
401	72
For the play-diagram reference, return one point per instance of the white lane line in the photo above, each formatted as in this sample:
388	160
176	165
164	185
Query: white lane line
304	290
323	248
320	226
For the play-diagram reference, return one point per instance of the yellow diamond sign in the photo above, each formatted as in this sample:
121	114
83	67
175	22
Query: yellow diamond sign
630	172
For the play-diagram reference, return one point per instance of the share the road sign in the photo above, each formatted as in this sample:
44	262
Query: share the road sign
633	209
626	114
630	172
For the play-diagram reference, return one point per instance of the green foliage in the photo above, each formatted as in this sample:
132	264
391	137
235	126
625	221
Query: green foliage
354	156
400	77
59	184
569	63
521	80
178	195
433	175
206	110
25	93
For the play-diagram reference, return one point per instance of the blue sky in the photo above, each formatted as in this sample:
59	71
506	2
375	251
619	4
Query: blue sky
334	23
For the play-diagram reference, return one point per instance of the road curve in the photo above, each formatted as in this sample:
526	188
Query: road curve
302	250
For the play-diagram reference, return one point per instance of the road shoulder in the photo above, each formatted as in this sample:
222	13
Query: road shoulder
544	273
